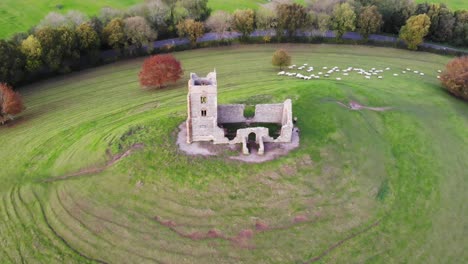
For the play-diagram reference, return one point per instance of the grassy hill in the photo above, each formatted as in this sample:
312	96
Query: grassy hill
364	186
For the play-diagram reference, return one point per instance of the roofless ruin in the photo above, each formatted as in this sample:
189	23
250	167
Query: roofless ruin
227	124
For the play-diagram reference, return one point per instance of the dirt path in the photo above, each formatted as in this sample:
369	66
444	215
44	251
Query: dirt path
116	158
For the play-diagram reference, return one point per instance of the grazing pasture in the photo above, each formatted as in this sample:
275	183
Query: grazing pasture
91	173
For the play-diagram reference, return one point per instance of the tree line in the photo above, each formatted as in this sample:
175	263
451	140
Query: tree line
63	42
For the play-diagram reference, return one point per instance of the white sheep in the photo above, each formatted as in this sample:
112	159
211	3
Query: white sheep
395	74
281	73
338	78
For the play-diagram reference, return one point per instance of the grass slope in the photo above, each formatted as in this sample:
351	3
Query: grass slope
388	185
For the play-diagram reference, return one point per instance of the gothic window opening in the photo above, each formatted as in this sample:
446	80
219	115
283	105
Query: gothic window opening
203	99
203	112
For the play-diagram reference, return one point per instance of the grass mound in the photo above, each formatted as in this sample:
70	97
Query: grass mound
364	185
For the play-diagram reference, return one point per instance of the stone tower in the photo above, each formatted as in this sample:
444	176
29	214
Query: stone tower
202	108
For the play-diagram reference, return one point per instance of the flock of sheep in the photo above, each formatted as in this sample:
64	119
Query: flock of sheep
312	73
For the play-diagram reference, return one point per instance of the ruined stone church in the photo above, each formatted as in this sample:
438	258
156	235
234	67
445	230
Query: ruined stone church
208	121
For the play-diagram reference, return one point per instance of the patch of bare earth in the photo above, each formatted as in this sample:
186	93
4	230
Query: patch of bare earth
353	105
272	150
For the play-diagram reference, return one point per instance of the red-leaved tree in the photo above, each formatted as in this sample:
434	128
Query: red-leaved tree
10	103
455	77
159	70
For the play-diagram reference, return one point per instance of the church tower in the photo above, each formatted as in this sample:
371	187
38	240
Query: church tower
202	107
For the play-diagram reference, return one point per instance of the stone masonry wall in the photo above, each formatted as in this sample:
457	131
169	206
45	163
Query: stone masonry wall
231	113
268	113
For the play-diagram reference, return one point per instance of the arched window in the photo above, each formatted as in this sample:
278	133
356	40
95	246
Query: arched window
203	112
203	99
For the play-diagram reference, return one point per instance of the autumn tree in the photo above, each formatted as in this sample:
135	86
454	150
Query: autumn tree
11	103
219	22
191	29
266	18
107	14
138	32
323	22
343	19
59	47
455	77
113	34
243	21
12	62
369	21
442	22
460	29
88	39
72	19
281	58
415	30
394	13
159	70
32	50
291	18
156	12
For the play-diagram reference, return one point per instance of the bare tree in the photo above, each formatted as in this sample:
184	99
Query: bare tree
138	32
219	22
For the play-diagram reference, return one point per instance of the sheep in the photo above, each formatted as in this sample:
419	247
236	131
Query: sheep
438	77
395	74
387	68
403	71
422	73
345	74
416	72
320	73
281	73
380	77
408	69
327	75
367	77
338	78
325	68
439	71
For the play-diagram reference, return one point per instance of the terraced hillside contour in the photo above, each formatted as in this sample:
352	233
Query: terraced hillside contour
364	186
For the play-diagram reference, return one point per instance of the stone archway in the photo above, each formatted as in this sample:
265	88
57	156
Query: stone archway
251	137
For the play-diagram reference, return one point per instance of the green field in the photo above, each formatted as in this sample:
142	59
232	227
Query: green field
452	4
364	186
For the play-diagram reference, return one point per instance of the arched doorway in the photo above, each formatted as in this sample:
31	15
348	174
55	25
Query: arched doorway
252	142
